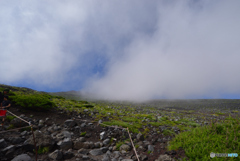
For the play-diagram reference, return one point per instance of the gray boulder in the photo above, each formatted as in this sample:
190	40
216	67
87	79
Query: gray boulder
83	151
140	137
125	147
42	140
164	157
3	144
78	144
22	157
68	155
106	141
16	140
150	148
56	155
96	152
70	123
64	134
65	144
104	149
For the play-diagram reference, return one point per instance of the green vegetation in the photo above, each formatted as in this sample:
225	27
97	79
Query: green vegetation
196	139
43	150
10	118
11	126
220	113
132	127
218	138
168	132
119	144
34	101
149	152
83	133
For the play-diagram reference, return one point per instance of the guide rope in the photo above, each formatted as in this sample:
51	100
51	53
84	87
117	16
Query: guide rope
24	127
129	137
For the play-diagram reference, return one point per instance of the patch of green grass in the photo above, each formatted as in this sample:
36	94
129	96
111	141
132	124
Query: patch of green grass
137	146
149	152
145	132
168	132
132	127
156	123
130	119
163	118
219	113
10	118
11	126
120	143
83	133
33	101
217	137
43	150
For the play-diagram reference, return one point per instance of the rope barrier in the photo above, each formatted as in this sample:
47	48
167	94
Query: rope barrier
19	117
30	125
133	145
129	137
31	129
119	128
14	129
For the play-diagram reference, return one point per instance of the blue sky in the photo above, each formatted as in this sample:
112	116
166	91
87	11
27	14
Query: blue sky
123	50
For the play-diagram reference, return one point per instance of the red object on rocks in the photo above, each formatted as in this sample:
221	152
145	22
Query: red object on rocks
3	112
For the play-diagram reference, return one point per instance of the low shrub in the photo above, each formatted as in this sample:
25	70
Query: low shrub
10	118
33	101
42	150
83	133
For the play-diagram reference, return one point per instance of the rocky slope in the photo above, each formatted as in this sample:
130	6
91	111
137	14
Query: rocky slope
76	130
59	136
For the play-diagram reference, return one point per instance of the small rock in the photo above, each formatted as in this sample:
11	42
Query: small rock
82	139
83	125
140	137
97	145
22	157
68	155
65	144
106	142
144	157
10	147
150	148
24	133
70	123
3	144
56	155
96	152
125	147
104	149
83	151
102	135
85	157
164	158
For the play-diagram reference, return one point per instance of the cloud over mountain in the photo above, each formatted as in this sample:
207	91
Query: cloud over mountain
123	50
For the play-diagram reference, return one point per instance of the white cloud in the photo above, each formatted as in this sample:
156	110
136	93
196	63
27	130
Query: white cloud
193	53
170	49
45	41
